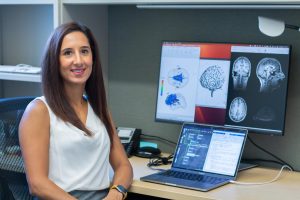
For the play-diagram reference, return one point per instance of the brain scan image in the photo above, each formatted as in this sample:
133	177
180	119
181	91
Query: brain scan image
269	73
175	101
178	77
213	78
265	114
238	109
241	72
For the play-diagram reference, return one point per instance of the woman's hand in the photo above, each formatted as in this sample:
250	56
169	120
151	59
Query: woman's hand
113	194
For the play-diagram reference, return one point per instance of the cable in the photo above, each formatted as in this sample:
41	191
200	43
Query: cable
160	138
266	151
254	160
154	162
158	169
265	182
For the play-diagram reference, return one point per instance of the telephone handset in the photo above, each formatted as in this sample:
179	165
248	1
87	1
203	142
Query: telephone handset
130	138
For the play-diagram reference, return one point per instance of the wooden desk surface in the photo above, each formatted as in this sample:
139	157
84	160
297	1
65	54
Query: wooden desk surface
286	188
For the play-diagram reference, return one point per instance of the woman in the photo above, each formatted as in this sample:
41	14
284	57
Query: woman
67	136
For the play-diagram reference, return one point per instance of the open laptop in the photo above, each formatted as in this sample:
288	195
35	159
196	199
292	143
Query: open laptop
206	157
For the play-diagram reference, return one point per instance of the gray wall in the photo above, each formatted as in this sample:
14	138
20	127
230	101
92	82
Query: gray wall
135	36
33	22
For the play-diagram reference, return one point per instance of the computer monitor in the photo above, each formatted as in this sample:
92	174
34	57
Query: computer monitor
238	85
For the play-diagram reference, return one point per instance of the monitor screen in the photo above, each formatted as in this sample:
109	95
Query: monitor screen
238	85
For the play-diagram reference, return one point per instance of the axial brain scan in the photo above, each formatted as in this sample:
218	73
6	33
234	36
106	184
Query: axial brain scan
265	114
241	72
212	78
269	73
238	109
178	77
175	101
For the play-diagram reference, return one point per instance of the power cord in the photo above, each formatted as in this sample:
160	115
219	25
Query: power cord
282	162
160	160
265	182
257	160
160	138
154	162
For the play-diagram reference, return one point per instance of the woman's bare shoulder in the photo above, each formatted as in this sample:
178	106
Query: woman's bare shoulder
36	110
37	106
35	121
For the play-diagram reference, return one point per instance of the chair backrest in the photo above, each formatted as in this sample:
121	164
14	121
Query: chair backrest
5	192
11	162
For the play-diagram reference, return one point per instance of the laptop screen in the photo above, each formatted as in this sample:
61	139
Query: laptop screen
209	148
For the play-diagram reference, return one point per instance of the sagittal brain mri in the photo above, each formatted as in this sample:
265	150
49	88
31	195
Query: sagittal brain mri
270	74
238	109
241	72
175	101
178	77
213	78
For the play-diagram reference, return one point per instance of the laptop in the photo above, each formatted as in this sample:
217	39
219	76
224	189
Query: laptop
206	157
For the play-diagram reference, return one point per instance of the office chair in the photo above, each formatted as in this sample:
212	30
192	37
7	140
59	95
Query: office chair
12	174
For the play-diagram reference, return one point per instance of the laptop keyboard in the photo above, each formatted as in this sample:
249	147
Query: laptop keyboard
192	177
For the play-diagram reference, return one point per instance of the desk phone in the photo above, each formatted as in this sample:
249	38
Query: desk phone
130	138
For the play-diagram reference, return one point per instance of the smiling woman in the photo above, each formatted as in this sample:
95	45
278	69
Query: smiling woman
75	58
67	136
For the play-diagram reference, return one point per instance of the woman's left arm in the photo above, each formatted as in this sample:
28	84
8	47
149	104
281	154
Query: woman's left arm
123	174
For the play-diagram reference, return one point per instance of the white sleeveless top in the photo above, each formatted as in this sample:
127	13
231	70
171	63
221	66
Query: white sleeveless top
76	161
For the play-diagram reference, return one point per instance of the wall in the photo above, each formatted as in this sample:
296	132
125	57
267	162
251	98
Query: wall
135	36
33	22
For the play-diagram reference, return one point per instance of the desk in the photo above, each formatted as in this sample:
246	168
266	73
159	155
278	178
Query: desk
286	188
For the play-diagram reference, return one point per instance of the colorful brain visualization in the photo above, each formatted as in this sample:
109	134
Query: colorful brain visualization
175	101
178	77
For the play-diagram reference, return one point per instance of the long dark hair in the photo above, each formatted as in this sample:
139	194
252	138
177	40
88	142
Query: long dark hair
52	81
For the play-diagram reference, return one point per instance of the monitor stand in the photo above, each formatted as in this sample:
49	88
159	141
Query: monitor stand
245	165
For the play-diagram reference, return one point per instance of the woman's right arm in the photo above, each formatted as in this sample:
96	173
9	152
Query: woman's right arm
34	136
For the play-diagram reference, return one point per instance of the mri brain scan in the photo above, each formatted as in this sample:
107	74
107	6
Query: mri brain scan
212	79
238	109
265	114
241	72
269	73
178	77
175	101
